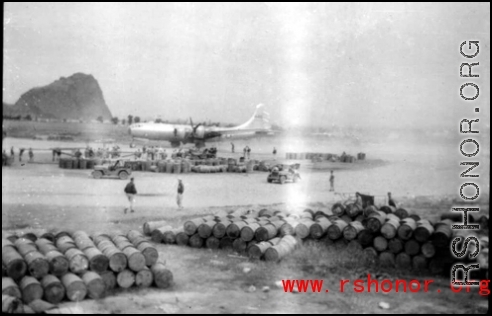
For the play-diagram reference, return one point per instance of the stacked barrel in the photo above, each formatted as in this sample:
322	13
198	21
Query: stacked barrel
75	266
74	163
320	157
209	169
215	165
222	165
401	240
244	232
388	235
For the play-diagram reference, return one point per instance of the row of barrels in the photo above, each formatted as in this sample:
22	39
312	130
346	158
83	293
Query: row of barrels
73	163
396	239
248	167
54	267
244	234
214	162
177	165
324	157
348	158
162	166
76	253
310	156
210	169
198	166
75	288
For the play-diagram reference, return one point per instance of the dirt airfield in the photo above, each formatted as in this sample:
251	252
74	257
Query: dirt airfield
42	196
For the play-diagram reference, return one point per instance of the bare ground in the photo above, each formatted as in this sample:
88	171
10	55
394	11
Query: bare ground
41	196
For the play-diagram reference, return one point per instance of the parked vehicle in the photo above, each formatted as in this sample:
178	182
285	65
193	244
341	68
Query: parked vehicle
282	176
119	169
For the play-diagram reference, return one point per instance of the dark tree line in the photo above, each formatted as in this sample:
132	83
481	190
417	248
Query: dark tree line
130	120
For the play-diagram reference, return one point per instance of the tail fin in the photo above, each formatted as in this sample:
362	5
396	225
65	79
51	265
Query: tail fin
259	120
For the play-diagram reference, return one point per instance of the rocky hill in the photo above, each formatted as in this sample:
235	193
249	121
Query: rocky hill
76	97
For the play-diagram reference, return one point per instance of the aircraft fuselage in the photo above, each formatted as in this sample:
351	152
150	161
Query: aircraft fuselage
176	134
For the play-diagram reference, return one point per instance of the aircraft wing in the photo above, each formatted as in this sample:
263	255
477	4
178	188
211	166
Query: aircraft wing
220	132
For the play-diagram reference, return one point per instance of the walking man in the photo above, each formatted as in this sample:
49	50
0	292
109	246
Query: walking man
179	198
31	155
232	147
130	191
249	152
21	152
332	182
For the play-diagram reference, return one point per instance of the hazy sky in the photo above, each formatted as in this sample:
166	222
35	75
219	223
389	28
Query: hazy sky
366	64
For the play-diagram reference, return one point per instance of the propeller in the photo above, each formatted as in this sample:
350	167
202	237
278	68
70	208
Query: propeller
193	134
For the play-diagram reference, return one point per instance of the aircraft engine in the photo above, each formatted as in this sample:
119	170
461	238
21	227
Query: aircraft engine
200	132
180	133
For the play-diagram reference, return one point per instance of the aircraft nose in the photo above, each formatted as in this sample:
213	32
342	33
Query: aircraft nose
130	130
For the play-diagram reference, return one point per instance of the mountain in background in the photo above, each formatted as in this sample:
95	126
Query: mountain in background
77	97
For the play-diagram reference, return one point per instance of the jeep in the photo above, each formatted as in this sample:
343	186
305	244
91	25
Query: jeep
122	171
282	176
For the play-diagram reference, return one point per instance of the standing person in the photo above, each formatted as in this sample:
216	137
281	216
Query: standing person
21	152
31	155
332	182
391	202
232	147
274	152
12	152
130	191
245	150
5	158
249	152
154	152
179	198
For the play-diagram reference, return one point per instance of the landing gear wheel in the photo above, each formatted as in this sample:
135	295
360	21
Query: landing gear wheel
97	174
282	180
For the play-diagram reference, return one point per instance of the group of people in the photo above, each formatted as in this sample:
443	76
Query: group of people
152	153
247	151
88	153
131	192
21	154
